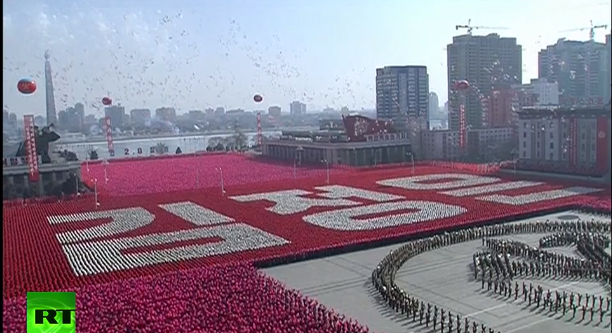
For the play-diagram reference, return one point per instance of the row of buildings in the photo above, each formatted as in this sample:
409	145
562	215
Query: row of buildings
570	73
561	118
73	118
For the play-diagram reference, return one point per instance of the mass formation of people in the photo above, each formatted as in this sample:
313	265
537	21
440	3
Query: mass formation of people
496	272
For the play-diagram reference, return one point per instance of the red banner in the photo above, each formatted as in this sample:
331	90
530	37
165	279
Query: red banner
603	151
259	131
31	156
573	138
109	136
462	127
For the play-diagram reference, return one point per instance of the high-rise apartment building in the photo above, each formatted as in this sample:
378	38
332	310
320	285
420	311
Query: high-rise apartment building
580	69
195	115
487	63
49	93
608	97
140	117
297	108
274	111
72	118
116	113
167	114
79	108
402	94
433	104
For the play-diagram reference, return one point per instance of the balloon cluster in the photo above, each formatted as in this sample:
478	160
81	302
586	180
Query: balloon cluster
461	85
27	86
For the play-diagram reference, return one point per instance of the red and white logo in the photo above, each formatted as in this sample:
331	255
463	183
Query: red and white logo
602	135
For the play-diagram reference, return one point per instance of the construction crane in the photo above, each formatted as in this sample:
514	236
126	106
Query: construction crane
591	30
470	27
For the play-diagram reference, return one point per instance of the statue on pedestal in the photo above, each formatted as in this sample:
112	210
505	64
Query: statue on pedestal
43	137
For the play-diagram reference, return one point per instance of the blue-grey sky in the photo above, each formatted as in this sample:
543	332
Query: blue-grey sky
197	54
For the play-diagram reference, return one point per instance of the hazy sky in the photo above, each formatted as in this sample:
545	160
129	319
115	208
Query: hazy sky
198	54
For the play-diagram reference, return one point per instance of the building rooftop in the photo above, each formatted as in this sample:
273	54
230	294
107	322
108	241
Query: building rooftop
589	111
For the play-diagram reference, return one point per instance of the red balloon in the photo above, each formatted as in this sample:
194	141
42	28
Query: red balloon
107	101
26	86
258	98
462	85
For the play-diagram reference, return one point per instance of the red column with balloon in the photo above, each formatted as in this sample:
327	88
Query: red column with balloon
258	99
107	101
109	135
27	86
259	130
462	87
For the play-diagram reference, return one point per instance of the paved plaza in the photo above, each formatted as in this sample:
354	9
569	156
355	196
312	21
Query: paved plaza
442	277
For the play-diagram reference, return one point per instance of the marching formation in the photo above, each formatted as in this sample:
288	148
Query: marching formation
497	272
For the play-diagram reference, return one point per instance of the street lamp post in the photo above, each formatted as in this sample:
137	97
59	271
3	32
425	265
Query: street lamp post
411	160
198	177
105	164
96	192
222	182
326	170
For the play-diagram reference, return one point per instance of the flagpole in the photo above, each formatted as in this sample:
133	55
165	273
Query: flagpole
96	192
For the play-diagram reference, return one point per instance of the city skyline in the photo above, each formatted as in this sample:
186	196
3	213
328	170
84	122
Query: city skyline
223	54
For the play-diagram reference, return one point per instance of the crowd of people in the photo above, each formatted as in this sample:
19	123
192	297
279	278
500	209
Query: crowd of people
500	273
556	167
423	312
497	264
231	298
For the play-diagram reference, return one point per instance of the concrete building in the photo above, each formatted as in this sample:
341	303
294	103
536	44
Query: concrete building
566	137
274	111
71	119
15	175
167	114
482	144
500	108
402	94
220	111
79	108
195	115
580	68
116	114
609	64
538	92
297	108
140	117
354	140
483	61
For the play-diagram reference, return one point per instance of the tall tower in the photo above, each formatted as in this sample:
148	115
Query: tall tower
50	96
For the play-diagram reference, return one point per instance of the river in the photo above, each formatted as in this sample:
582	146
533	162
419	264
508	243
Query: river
132	147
